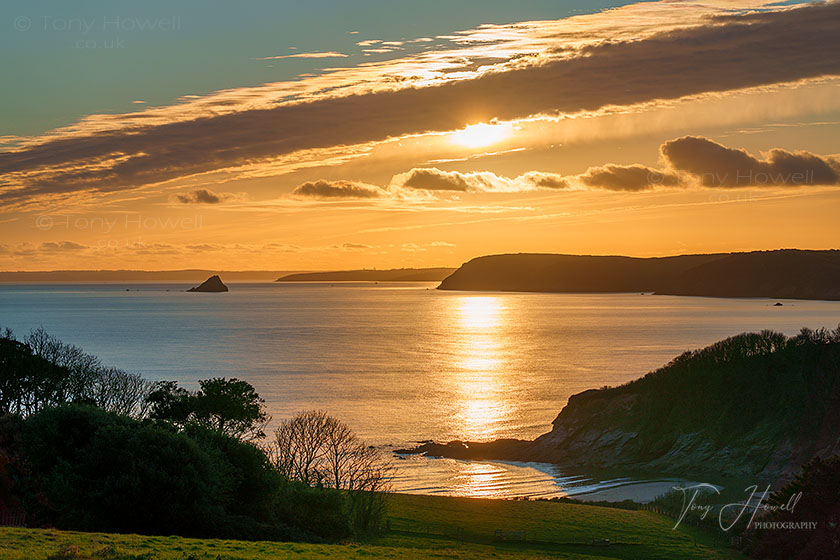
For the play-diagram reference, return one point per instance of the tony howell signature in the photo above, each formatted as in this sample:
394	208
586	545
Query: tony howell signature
755	503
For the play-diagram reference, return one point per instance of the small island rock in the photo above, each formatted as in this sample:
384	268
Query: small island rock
212	284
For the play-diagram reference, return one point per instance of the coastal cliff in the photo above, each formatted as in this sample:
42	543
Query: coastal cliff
754	405
785	273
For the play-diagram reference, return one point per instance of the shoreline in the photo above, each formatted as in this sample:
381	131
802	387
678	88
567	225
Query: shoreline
516	480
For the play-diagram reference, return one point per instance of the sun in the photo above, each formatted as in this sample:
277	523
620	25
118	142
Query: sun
481	134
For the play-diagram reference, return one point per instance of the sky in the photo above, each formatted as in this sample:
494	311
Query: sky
329	135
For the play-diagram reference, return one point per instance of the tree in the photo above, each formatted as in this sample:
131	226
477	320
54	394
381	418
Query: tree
170	403
813	497
228	406
42	371
319	450
231	407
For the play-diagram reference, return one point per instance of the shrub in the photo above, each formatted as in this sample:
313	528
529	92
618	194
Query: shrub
249	483
315	510
108	473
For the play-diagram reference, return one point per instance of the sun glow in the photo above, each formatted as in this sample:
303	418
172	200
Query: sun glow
481	134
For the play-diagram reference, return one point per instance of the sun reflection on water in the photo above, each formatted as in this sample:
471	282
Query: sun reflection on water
479	480
479	312
480	366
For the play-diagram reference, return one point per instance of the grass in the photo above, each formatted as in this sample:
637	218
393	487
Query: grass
421	527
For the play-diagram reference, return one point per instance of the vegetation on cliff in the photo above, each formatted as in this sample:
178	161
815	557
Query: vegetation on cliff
756	404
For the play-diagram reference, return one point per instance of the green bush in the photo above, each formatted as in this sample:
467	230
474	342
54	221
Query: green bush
249	483
109	473
92	470
318	511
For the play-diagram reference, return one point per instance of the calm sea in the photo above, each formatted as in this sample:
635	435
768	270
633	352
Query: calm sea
401	363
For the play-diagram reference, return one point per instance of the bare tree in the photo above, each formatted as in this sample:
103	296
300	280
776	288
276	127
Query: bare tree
317	449
43	371
299	447
124	393
340	453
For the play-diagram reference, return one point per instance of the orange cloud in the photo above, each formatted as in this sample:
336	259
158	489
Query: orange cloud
206	196
330	54
338	189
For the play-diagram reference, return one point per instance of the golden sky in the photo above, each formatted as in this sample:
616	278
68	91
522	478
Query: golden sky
646	129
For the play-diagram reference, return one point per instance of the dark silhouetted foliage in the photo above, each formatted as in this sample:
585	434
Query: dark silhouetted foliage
813	497
42	371
104	472
315	510
228	406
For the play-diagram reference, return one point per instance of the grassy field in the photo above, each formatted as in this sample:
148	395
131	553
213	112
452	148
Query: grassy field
420	527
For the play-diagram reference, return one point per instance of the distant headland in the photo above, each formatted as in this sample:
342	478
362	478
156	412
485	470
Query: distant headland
370	275
783	274
123	276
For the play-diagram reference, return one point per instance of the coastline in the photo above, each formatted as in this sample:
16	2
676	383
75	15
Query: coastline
500	479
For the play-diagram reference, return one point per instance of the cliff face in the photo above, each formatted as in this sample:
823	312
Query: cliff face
755	405
775	274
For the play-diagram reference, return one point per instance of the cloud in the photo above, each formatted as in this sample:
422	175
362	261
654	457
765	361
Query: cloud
715	165
639	65
206	196
354	247
61	246
330	54
609	177
688	161
544	180
693	160
627	178
420	247
434	179
52	248
323	189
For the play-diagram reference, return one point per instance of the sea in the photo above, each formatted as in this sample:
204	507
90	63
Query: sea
404	363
